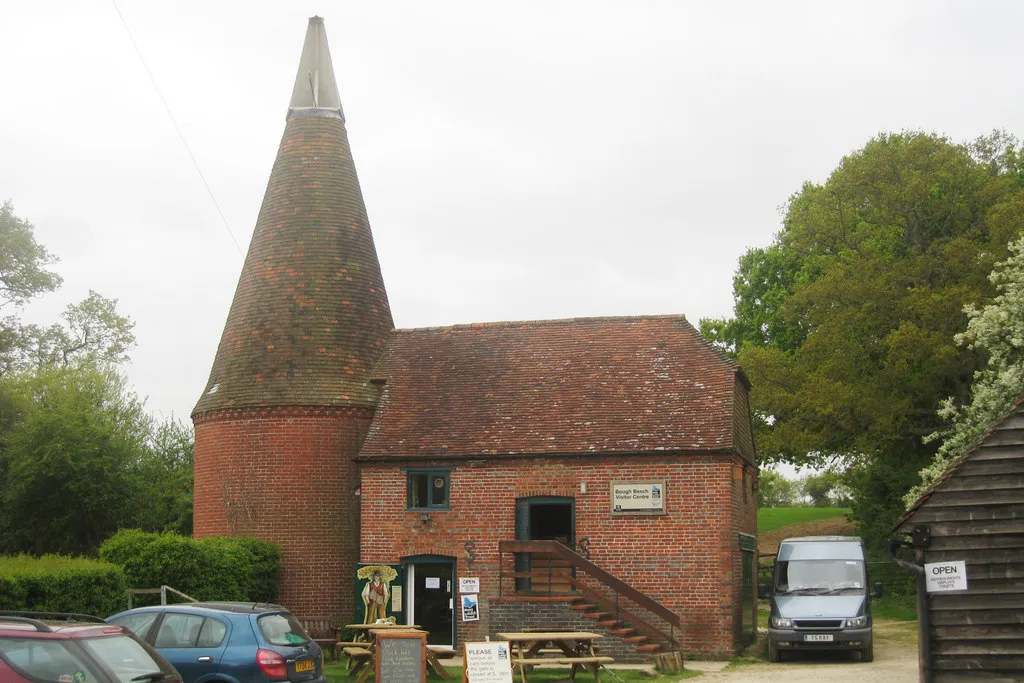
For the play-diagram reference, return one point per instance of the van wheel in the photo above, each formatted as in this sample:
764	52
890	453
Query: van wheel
774	654
868	653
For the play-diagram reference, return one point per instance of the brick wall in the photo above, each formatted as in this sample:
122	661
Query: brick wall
286	475
687	559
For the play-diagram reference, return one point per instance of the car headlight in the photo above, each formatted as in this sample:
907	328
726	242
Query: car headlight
782	622
857	622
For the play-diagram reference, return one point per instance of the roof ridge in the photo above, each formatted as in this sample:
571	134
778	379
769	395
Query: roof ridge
498	324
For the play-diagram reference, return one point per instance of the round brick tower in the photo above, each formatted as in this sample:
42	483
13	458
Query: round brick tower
288	400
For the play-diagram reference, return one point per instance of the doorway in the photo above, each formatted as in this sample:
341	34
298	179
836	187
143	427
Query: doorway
545	518
430	580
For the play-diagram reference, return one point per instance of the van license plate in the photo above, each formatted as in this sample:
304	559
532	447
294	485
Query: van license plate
309	664
818	638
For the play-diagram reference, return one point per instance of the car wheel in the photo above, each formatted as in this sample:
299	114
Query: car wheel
774	654
868	653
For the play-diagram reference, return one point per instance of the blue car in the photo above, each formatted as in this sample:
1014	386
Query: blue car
228	642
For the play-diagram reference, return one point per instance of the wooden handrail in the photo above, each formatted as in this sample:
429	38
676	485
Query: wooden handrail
613	582
631	618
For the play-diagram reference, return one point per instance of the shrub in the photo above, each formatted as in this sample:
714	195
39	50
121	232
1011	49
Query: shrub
57	583
206	569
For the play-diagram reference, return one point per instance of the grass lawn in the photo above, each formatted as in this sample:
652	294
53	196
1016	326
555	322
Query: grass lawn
769	519
337	673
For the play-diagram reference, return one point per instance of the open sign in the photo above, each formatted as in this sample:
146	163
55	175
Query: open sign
945	576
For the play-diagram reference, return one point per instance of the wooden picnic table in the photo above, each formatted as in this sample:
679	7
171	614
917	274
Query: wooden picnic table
363	653
576	647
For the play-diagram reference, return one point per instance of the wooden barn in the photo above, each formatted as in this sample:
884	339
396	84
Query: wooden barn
974	514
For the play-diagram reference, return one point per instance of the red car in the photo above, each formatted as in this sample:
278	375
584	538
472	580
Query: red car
38	647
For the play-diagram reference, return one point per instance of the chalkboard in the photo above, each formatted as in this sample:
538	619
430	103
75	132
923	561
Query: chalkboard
402	657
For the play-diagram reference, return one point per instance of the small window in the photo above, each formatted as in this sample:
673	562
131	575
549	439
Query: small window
212	633
179	630
428	489
282	629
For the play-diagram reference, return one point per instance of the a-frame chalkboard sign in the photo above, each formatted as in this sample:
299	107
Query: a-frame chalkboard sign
401	656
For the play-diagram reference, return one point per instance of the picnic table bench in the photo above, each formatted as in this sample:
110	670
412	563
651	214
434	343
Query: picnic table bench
570	648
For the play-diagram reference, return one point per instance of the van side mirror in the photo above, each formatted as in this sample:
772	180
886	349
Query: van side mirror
763	592
877	590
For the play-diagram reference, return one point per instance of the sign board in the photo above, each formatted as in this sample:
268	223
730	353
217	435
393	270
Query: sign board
432	582
488	663
470	608
940	577
469	585
402	657
638	497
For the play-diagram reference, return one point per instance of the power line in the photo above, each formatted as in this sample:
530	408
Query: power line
176	126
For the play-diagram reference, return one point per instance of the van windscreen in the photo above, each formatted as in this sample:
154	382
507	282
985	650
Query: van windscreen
819	577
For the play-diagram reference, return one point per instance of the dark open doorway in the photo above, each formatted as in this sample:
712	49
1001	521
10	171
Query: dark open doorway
431	580
545	518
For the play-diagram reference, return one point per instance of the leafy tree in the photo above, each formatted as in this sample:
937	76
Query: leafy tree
71	459
826	490
775	491
90	331
23	273
166	479
998	330
845	324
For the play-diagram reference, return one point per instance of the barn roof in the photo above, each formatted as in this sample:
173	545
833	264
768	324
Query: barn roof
1015	413
584	385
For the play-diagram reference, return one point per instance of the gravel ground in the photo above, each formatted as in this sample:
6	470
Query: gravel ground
895	660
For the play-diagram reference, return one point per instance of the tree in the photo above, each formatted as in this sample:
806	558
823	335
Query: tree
998	330
90	331
845	325
71	459
775	491
166	479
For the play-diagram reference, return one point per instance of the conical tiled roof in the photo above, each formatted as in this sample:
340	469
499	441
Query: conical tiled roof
310	314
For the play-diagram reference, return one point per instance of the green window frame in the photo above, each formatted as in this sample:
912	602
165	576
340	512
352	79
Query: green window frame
428	489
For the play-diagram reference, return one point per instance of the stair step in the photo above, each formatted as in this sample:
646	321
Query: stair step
582	607
596	615
622	631
634	639
607	623
648	648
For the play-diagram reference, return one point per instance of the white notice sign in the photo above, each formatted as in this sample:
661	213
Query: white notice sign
488	663
645	497
469	585
945	576
432	582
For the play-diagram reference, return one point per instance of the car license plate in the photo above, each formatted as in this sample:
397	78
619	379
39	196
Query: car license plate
305	665
818	638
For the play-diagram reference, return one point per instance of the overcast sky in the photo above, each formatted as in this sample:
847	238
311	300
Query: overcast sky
519	160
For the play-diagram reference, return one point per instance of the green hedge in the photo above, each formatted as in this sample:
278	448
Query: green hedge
56	583
205	569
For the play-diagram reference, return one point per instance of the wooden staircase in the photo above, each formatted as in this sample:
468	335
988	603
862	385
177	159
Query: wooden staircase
558	570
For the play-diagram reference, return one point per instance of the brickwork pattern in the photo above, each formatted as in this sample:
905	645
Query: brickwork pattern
686	559
286	475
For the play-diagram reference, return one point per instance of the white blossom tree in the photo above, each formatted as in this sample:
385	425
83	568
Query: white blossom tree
998	330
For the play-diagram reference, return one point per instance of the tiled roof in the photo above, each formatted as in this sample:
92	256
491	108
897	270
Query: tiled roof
310	315
588	385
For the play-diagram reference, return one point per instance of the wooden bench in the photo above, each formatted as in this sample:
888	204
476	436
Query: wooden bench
359	656
324	633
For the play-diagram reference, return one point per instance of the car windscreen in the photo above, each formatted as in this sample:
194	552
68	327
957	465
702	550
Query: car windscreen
819	576
49	661
282	629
